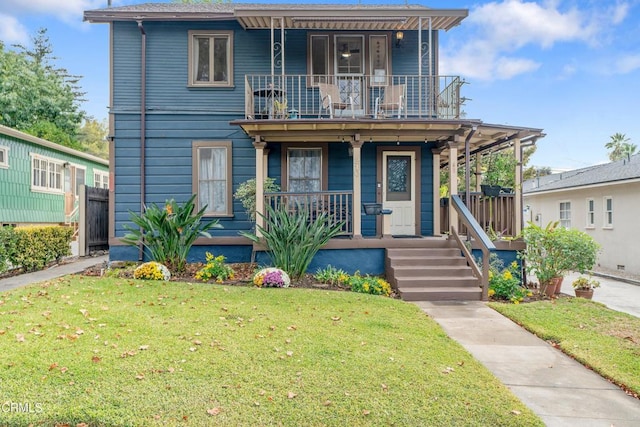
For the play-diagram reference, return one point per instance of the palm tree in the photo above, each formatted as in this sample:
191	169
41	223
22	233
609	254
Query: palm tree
620	147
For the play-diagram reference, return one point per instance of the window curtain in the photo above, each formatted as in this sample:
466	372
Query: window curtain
304	170
213	179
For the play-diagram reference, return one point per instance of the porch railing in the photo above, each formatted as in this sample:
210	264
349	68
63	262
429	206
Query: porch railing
337	205
496	215
298	96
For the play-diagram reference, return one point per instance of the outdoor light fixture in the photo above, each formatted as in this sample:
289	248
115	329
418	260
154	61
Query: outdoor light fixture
399	38
345	52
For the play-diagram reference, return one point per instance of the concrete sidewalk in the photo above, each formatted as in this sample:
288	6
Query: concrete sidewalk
558	389
75	266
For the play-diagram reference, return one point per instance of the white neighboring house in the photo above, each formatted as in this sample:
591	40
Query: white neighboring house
602	200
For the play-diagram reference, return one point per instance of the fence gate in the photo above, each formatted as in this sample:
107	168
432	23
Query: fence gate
93	232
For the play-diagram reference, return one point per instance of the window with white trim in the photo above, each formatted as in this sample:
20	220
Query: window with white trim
101	179
608	212
211	58
212	177
4	157
565	214
591	213
46	174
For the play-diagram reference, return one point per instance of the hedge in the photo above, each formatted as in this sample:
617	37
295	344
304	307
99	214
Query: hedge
33	247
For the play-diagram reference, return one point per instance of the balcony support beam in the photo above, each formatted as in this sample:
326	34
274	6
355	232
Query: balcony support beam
260	174
453	175
517	148
356	146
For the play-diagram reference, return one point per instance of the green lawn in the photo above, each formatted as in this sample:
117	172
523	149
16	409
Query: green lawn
125	352
603	339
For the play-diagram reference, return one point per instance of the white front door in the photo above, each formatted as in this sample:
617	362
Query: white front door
399	190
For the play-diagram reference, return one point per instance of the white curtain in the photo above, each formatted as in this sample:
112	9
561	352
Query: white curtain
213	179
304	170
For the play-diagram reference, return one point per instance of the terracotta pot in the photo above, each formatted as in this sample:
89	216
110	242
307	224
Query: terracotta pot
550	289
584	293
558	282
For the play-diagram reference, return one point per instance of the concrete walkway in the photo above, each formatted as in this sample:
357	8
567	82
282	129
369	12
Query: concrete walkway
558	389
75	266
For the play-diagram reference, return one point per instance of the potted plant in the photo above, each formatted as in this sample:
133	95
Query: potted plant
584	286
552	251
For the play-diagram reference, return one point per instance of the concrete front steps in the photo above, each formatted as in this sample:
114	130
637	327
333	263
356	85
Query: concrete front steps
436	272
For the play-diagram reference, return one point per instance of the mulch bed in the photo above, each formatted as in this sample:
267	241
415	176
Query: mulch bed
243	273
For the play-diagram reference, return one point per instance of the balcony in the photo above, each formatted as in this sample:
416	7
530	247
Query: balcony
350	97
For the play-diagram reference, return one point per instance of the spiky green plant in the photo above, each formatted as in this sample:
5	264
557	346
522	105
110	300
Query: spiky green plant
293	237
168	233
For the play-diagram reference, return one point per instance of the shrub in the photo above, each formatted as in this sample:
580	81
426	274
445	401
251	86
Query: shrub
169	233
293	238
246	193
271	278
151	271
7	247
35	247
369	285
215	269
332	276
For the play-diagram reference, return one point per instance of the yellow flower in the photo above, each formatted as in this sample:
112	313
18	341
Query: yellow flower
492	292
169	208
507	275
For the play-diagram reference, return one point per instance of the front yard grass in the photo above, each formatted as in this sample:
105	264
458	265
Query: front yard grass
128	352
605	340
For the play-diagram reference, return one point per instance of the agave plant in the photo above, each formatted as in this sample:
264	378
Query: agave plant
169	232
294	237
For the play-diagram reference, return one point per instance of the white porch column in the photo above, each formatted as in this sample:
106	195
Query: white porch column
260	171
517	207
356	214
437	226
453	178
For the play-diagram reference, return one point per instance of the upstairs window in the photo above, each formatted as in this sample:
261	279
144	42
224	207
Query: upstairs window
46	174
591	213
565	214
608	212
4	157
210	58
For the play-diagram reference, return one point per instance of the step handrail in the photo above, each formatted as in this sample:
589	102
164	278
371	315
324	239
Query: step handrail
483	240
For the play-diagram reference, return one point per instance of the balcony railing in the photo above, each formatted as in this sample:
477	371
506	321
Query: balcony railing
496	215
337	205
360	96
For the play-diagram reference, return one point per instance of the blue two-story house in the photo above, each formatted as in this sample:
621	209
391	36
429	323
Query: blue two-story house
342	104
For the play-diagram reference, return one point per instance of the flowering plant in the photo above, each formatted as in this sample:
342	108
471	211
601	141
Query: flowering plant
215	269
506	283
369	285
271	278
151	271
585	283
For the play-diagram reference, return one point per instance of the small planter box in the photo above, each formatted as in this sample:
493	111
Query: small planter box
491	190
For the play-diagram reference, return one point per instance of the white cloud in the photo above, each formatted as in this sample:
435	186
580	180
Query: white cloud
620	12
501	28
11	31
627	64
67	10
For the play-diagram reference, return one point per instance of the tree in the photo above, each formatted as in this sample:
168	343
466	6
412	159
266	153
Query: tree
620	147
534	172
93	137
37	97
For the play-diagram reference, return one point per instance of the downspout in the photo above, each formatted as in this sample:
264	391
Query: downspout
143	120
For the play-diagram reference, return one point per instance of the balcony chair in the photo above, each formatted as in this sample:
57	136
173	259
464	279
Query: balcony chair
393	98
330	100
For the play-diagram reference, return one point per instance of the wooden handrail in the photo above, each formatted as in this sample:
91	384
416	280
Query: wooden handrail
478	233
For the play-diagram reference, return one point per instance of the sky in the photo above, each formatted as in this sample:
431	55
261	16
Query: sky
569	67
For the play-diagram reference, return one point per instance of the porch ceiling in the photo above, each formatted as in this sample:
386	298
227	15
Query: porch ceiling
487	137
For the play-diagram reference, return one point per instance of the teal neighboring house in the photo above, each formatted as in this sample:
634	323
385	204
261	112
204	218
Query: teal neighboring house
40	180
